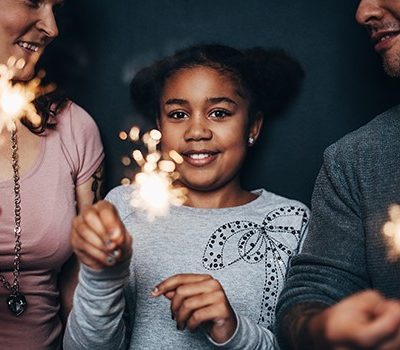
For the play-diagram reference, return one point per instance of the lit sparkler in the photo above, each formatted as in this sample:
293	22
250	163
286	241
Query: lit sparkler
15	97
391	231
153	187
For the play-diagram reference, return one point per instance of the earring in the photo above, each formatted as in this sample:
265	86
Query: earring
250	140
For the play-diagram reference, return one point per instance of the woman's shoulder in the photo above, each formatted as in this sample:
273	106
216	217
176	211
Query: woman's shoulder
79	140
75	118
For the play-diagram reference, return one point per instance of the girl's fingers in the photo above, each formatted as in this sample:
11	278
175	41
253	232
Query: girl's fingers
85	249
191	289
173	282
87	234
191	304
99	237
114	228
212	313
92	219
169	295
102	219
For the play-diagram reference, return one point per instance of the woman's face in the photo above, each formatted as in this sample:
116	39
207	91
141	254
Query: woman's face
205	119
26	28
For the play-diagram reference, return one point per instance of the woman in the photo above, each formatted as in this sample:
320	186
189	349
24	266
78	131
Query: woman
220	259
46	172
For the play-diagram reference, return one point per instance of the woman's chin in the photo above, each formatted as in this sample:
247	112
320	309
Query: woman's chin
24	75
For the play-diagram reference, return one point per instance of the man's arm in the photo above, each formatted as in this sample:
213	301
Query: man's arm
332	263
296	325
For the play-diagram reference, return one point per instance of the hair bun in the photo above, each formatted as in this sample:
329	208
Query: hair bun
143	91
276	78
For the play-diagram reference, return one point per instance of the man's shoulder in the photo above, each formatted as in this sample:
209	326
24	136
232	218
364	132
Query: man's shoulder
383	130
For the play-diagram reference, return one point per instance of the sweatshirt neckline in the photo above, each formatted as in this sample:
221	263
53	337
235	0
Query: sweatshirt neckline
261	193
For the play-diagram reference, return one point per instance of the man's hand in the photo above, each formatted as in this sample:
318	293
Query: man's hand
364	320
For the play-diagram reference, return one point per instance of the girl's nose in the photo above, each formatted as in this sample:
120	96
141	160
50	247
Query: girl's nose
198	129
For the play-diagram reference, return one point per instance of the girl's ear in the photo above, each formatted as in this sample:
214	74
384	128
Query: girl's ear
255	128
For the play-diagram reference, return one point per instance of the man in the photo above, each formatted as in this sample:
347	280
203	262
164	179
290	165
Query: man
341	291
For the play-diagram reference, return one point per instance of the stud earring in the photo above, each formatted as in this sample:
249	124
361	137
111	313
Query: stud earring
250	140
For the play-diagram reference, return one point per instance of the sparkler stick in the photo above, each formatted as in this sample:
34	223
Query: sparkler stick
153	187
15	97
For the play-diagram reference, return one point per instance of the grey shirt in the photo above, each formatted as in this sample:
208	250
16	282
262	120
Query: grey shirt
345	251
247	248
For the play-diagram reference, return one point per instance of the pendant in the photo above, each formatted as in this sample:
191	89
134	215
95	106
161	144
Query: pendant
17	303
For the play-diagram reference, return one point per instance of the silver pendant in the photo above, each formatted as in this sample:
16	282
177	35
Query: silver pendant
17	303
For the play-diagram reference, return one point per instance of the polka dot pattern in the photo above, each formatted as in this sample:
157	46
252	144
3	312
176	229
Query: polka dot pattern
256	243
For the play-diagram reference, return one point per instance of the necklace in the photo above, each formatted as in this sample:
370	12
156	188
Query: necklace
16	302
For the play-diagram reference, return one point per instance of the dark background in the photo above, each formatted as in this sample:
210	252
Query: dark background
103	43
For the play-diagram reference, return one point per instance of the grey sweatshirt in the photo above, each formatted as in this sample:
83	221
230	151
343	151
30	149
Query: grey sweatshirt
345	250
247	248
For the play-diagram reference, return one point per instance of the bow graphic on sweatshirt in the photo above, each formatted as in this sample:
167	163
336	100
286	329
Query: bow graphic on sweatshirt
273	241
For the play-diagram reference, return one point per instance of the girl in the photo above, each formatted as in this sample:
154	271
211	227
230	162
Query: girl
215	266
46	171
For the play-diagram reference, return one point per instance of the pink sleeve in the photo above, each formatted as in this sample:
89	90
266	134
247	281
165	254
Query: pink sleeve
82	143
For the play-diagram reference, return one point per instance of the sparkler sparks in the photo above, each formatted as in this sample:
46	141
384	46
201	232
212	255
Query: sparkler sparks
391	231
16	98
153	188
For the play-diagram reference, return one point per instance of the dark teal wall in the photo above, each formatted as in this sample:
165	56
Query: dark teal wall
103	43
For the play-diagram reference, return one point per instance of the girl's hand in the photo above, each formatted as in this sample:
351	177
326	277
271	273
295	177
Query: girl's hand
99	238
196	300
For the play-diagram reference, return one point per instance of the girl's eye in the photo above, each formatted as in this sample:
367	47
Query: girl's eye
220	114
177	115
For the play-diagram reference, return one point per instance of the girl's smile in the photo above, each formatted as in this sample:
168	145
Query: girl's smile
205	119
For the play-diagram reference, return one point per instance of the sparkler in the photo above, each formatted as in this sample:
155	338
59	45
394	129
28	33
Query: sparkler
391	231
15	97
153	187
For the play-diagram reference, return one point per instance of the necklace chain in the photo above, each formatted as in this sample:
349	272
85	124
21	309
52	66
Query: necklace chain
14	287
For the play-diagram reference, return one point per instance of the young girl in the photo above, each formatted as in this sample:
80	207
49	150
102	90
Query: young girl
209	273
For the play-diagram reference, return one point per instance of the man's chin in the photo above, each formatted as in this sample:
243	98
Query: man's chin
392	66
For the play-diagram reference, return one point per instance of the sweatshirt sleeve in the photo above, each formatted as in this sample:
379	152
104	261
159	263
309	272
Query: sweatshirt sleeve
96	320
248	336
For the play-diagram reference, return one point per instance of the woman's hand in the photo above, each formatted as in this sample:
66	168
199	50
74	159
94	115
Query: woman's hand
99	238
196	300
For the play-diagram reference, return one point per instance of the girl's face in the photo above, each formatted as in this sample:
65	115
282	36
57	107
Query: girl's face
205	119
26	28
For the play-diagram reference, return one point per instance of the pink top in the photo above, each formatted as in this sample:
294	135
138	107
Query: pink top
68	157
